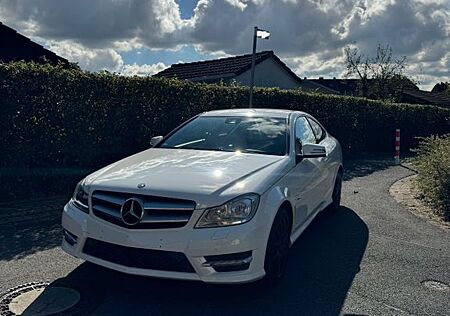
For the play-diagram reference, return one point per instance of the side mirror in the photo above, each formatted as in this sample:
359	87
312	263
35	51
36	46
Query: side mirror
155	140
310	151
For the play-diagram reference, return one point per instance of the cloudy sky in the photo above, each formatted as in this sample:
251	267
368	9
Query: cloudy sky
145	36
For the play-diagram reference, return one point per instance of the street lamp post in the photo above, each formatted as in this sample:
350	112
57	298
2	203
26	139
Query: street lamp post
252	75
264	35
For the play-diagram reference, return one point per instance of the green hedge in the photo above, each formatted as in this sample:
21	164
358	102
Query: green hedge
433	173
52	116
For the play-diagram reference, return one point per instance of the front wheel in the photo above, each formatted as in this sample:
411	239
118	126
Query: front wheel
278	247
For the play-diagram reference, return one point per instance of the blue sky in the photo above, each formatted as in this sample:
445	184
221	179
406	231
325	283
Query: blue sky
187	8
143	37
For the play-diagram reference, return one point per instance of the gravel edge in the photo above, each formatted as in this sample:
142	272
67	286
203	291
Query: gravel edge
405	193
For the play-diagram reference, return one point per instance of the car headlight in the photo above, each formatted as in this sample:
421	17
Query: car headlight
234	212
80	198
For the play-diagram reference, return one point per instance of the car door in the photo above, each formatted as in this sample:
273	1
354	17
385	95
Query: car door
305	176
328	169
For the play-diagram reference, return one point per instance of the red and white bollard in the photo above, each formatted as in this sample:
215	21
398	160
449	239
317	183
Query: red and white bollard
397	146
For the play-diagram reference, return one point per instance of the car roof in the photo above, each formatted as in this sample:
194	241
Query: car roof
276	113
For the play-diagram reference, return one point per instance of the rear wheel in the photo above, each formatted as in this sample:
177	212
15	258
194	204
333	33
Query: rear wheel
278	247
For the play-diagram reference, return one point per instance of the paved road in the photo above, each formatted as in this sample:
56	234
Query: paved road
370	258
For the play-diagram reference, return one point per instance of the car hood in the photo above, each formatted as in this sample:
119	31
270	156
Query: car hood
208	177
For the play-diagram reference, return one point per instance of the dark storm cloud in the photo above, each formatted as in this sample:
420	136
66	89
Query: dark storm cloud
96	23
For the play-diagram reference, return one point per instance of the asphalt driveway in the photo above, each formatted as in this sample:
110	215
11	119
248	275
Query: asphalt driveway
369	258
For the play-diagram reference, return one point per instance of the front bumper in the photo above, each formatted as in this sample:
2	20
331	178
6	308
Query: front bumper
203	248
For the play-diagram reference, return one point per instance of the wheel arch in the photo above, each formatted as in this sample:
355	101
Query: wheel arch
287	206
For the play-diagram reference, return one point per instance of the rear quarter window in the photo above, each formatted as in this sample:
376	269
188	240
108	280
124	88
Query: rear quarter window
318	130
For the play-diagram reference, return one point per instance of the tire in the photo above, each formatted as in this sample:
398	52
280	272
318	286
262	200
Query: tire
337	191
278	247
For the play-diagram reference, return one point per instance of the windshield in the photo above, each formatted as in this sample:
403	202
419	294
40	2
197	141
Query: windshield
262	135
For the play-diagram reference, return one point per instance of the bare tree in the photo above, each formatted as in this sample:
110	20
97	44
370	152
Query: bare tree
358	64
381	76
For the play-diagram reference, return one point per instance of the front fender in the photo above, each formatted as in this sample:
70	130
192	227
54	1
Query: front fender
271	201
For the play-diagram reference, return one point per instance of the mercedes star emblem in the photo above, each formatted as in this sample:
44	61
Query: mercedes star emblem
132	211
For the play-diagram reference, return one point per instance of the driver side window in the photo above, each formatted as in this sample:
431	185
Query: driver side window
303	131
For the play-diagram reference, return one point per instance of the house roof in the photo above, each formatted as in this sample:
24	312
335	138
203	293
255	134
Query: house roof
426	97
338	86
17	47
410	92
350	86
216	69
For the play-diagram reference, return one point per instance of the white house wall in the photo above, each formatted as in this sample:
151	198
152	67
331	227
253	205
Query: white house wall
269	74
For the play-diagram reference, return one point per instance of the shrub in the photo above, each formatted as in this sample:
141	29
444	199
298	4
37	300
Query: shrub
433	168
51	116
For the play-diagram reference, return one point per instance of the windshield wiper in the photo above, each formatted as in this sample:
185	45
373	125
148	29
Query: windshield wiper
189	143
251	150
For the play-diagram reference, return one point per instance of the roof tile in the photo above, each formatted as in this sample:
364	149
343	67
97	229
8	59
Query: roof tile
217	68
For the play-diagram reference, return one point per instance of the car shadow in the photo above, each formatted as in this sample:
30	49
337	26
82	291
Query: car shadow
322	265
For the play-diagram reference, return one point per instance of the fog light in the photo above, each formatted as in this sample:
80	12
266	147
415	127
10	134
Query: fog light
70	238
229	262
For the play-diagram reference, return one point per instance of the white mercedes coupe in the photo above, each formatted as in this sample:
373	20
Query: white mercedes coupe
220	199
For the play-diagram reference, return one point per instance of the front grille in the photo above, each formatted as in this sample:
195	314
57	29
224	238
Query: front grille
159	212
138	257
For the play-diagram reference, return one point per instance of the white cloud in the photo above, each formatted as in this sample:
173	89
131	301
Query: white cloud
102	59
317	66
167	13
142	70
241	5
88	58
308	34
